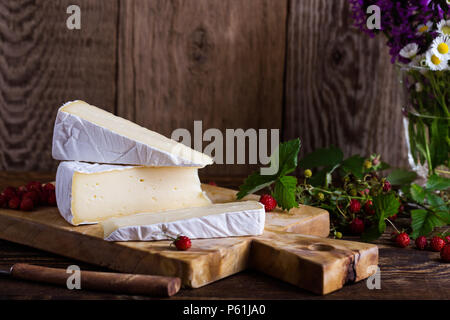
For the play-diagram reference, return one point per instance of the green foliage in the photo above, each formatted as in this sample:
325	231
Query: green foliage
285	186
400	177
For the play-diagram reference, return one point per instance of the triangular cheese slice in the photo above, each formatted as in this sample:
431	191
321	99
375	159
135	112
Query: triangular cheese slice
86	133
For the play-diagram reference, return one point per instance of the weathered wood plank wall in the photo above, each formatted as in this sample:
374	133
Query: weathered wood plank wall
42	65
291	64
340	86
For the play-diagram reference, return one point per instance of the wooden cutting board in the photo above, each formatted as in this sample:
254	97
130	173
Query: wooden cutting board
308	260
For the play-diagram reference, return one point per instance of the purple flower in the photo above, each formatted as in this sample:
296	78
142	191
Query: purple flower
399	21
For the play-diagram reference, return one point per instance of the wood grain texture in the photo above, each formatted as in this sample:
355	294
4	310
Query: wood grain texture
207	261
44	64
340	86
218	61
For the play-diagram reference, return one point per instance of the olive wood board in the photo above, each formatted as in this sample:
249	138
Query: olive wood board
307	260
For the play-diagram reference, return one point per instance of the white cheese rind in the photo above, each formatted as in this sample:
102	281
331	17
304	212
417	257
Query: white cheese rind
89	193
77	139
245	218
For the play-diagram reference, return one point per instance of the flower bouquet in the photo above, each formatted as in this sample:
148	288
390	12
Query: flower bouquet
418	35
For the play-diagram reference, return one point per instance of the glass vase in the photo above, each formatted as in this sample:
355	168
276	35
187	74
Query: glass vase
426	96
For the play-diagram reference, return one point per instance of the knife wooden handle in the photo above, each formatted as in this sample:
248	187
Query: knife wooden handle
135	284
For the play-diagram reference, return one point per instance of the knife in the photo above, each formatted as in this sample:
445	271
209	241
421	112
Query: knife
134	284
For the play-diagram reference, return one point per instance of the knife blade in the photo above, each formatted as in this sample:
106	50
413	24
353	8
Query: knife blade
135	284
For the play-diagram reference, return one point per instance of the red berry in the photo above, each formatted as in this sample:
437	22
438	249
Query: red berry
9	193
393	217
33	195
355	206
14	202
445	253
402	240
437	243
368	207
212	183
34	186
21	191
447	239
3	201
182	243
51	199
26	204
376	161
268	201
387	186
421	242
357	226
49	187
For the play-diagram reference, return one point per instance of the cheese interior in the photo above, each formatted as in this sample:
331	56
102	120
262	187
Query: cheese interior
101	195
143	219
134	132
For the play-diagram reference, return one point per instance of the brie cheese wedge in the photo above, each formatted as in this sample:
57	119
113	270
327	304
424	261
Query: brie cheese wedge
83	132
215	221
89	193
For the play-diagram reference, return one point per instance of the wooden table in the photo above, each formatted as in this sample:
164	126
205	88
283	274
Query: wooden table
405	273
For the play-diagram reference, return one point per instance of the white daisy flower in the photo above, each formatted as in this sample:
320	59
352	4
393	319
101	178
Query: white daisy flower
409	51
441	47
422	28
444	27
434	63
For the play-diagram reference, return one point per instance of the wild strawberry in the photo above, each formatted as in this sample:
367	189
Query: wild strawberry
3	201
392	218
357	226
376	161
182	243
268	201
355	206
21	191
307	173
51	201
9	193
437	243
447	239
445	253
368	207
14	202
402	240
387	186
26	204
34	186
51	186
33	195
211	183
421	243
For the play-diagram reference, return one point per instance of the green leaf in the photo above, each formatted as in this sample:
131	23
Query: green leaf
386	205
436	182
322	157
284	192
320	178
354	165
423	222
254	183
400	177
287	156
417	193
287	162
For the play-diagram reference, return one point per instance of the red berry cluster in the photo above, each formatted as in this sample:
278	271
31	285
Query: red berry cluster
436	244
28	197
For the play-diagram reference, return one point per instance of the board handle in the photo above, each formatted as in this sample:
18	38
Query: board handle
135	284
